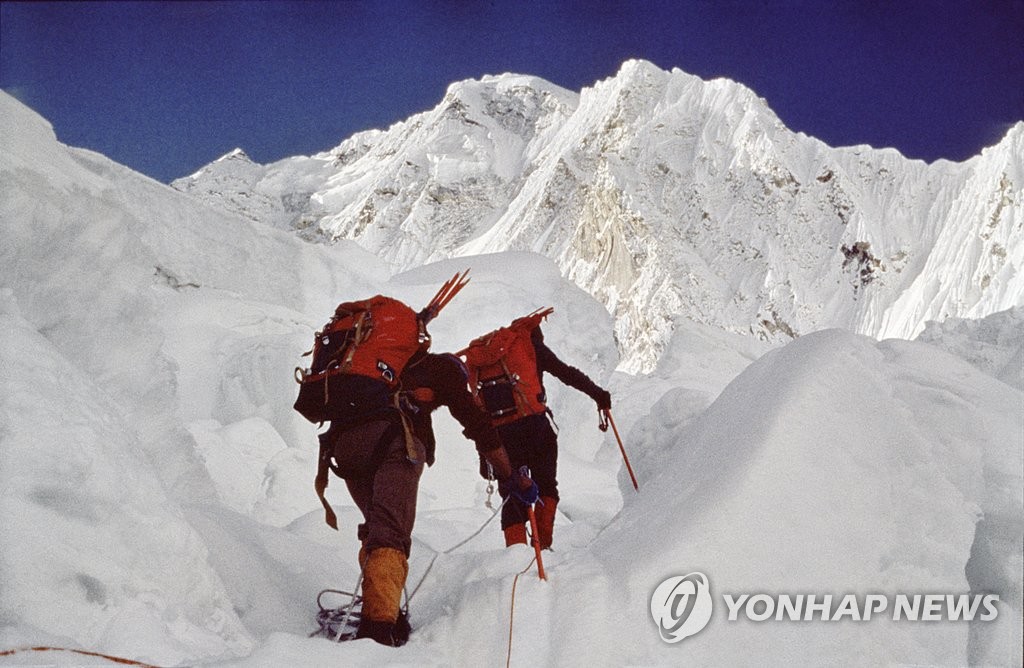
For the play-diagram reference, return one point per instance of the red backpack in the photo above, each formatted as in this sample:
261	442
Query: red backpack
503	370
359	355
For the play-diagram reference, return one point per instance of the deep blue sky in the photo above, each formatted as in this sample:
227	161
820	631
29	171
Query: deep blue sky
167	87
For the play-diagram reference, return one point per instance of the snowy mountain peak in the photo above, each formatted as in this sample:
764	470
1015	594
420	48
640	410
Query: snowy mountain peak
236	159
509	84
664	196
507	104
235	154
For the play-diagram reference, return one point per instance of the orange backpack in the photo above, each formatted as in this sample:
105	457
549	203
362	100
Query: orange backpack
503	370
357	359
361	352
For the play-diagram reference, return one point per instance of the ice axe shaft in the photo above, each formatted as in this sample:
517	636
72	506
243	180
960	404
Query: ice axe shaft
536	542
606	413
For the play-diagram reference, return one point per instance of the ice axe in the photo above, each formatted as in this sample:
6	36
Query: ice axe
605	416
447	292
536	542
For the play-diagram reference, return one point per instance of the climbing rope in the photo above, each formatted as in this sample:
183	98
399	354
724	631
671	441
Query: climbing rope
351	618
451	549
340	623
512	610
114	659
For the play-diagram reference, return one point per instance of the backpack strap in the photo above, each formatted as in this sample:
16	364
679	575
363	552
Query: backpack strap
361	332
410	443
320	484
521	400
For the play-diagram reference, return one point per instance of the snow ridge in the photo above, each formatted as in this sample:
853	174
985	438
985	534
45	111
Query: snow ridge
662	194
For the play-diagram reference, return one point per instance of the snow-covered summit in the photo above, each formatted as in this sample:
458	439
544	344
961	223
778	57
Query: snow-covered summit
663	194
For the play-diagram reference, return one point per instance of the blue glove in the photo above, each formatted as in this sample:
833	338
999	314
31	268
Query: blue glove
520	486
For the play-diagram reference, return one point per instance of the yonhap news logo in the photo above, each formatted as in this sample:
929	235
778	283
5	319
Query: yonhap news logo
682	606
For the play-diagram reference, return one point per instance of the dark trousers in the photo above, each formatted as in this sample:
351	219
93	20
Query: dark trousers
532	442
373	460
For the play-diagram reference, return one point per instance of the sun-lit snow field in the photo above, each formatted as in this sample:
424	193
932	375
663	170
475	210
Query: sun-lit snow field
156	498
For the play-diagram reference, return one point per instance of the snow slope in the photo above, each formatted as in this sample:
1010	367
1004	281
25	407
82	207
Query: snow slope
156	494
835	465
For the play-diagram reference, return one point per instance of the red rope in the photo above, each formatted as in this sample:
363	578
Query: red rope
115	659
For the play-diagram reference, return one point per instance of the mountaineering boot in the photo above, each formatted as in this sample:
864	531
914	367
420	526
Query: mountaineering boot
546	521
392	634
384	573
515	534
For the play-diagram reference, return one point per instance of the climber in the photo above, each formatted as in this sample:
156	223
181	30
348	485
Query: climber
506	371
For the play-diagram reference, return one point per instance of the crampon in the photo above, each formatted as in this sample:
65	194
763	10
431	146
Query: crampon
342	622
